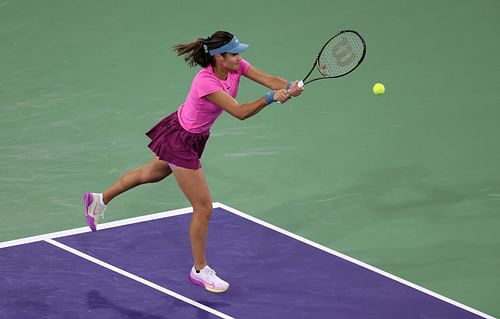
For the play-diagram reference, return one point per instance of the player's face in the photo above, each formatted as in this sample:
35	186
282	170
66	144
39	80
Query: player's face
231	61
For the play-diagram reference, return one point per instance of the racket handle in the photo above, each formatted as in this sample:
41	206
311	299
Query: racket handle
300	85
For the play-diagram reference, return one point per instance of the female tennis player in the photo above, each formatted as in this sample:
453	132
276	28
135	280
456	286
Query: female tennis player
178	140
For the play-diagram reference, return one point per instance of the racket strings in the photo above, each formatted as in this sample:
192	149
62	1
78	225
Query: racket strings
341	54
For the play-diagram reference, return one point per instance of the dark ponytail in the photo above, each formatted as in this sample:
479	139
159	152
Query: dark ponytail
196	53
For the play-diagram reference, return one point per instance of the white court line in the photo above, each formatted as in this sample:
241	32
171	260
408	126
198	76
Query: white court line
138	279
352	260
255	220
85	229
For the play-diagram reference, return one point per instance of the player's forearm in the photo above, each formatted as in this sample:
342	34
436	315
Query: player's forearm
277	83
248	110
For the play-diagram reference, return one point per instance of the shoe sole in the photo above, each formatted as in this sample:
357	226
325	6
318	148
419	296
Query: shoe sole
200	283
87	201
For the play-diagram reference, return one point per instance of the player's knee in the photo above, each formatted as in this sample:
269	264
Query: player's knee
203	208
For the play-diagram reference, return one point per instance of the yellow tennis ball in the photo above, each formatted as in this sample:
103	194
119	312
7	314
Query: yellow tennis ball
378	88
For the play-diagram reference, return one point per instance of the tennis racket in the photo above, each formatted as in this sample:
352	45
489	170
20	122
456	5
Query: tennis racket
340	55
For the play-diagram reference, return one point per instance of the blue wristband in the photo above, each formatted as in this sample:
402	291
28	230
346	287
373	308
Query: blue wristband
288	85
269	97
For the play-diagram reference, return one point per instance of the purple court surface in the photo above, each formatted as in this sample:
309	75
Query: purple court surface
138	268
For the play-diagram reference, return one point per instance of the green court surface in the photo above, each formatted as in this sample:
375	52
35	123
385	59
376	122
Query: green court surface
408	181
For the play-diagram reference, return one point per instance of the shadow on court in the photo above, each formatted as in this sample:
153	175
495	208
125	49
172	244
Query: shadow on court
95	300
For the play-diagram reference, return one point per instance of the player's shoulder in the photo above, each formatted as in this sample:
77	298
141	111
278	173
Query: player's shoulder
206	79
205	74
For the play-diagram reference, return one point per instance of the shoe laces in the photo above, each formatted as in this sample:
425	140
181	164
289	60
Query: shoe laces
211	274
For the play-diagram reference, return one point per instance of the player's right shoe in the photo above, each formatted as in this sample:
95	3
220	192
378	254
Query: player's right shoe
93	208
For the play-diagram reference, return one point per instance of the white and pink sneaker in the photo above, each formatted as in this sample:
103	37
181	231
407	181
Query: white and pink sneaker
208	279
94	208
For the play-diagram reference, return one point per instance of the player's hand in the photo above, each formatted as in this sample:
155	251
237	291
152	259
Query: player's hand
282	95
296	89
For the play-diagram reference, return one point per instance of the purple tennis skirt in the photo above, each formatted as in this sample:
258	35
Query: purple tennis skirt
173	144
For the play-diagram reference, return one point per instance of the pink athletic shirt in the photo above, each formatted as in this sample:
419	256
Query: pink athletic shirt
197	114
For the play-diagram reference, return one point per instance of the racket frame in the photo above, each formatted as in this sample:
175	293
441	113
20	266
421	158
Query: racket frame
316	61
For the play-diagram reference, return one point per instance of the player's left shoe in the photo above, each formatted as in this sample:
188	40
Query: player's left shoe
208	279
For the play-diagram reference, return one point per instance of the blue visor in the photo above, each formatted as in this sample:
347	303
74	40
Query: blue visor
233	46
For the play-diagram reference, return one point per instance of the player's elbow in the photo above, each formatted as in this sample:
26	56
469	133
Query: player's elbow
241	116
237	111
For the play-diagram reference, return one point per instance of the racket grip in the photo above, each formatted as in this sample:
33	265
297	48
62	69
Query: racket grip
300	85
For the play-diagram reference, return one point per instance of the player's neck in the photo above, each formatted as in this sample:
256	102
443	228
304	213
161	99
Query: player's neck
220	72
